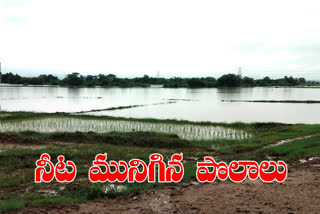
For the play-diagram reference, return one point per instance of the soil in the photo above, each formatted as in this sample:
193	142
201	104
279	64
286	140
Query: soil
16	139
300	193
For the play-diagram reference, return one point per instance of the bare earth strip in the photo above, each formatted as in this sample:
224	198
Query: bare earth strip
300	193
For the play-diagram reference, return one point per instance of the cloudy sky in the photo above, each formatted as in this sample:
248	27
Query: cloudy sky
176	37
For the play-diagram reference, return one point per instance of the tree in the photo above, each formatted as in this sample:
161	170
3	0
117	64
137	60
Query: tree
196	83
48	79
229	80
248	82
111	77
74	79
11	78
290	80
302	80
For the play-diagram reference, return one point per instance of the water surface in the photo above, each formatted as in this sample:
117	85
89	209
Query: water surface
198	104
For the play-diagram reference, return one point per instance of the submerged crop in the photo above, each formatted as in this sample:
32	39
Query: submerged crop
68	124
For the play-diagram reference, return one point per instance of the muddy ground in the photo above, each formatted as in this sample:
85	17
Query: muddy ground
300	193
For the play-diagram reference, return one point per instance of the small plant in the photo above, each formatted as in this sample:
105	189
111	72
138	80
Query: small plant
96	191
104	191
11	205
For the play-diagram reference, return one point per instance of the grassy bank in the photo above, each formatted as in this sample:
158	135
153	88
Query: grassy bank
19	151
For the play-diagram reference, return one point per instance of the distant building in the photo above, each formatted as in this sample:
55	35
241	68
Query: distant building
240	72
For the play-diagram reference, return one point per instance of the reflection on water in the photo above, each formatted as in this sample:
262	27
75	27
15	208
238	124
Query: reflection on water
206	103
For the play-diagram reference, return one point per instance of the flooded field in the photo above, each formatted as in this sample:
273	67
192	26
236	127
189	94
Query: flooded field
64	124
182	104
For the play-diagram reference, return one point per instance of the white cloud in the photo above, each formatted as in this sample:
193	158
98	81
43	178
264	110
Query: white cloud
183	38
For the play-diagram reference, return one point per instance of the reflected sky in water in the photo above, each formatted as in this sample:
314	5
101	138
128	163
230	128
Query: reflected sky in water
205	104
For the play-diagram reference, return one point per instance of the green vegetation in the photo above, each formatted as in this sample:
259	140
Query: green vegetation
111	80
22	115
80	148
11	205
74	124
296	149
20	150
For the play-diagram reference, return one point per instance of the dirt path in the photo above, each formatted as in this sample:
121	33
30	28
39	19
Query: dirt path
300	193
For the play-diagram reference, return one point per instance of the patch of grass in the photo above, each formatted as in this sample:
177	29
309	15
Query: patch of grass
295	149
143	139
96	191
8	205
265	134
21	177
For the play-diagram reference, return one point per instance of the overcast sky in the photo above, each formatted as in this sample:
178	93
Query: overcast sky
176	37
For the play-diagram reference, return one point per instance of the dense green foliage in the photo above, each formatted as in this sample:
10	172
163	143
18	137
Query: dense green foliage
111	80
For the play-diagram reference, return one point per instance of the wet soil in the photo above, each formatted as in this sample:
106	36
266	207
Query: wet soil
300	193
12	141
16	139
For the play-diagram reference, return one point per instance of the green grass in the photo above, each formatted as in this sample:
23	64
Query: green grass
22	115
24	177
72	124
17	165
266	134
144	139
8	205
296	149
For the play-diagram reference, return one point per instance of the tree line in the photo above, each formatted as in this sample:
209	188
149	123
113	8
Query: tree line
111	80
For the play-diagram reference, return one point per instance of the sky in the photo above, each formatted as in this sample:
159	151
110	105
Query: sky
186	38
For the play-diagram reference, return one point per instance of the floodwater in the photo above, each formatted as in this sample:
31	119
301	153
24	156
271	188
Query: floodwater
183	104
